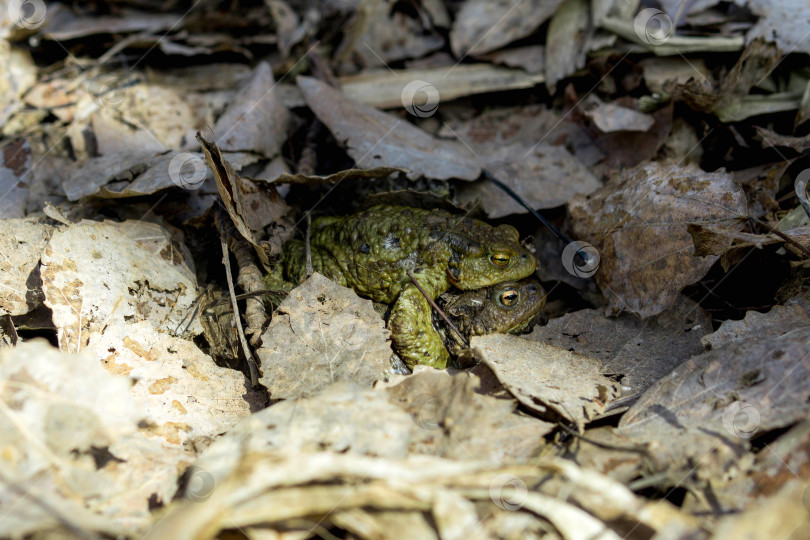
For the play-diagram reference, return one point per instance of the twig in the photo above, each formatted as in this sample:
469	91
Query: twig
783	236
251	362
438	310
604	446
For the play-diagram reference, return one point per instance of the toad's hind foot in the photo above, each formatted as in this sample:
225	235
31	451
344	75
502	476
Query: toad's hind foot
412	332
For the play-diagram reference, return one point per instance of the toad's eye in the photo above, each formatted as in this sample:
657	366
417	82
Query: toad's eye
509	297
499	259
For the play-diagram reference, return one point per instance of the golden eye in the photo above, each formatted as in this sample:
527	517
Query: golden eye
499	259
509	297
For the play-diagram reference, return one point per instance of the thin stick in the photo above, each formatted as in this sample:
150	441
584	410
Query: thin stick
783	236
251	362
439	311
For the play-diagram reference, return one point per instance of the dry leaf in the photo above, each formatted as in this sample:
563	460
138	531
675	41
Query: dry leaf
709	408
459	418
95	274
553	382
186	398
638	223
641	351
565	42
320	334
21	243
779	321
781	21
374	138
383	88
255	121
485	25
544	176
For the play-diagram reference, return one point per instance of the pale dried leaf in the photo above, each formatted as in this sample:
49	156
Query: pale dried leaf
66	25
186	397
610	118
707	410
553	382
485	25
567	33
784	515
343	418
17	75
95	274
384	88
374	138
56	409
781	21
641	351
480	424
320	334
21	244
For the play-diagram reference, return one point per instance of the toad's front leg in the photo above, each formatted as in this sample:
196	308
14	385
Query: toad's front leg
412	332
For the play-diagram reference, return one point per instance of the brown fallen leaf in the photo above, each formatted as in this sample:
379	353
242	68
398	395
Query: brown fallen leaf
638	223
250	205
374	138
255	121
322	333
553	382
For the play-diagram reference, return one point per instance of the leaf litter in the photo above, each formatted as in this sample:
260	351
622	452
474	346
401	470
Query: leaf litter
663	394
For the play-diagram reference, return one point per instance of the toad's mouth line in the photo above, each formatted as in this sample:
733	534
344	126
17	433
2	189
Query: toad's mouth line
453	279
